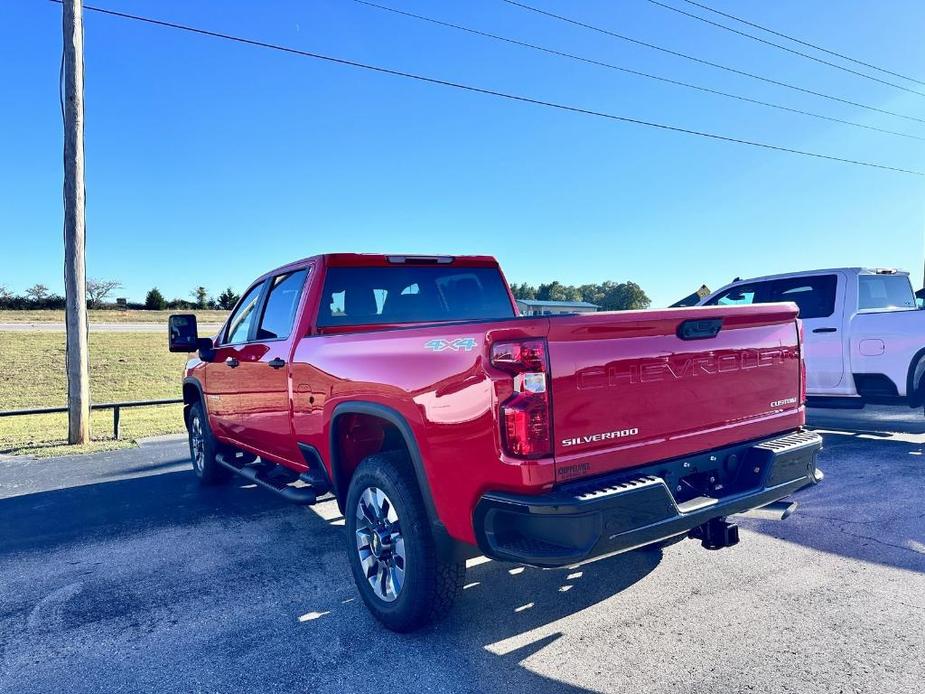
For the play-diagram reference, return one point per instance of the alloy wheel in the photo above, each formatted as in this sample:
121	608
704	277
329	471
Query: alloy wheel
197	444
380	545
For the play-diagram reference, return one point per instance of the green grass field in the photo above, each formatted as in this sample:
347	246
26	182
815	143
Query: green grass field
123	366
109	316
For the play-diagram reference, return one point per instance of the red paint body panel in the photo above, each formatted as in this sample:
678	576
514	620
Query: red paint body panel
609	372
449	399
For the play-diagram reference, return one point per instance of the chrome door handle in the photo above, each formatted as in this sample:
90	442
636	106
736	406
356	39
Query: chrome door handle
232	362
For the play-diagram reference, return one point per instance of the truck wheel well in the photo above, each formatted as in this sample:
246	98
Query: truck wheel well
190	394
359	429
356	436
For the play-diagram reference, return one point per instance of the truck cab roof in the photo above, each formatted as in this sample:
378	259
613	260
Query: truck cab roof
822	271
387	259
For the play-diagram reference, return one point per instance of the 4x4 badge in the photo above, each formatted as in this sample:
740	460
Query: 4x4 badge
466	344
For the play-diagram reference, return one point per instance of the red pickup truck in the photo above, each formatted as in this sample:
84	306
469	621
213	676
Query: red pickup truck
446	425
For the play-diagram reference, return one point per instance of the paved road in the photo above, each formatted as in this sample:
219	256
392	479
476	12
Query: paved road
119	574
43	327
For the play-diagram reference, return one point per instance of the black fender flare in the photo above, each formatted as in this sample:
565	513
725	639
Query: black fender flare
916	396
190	381
446	546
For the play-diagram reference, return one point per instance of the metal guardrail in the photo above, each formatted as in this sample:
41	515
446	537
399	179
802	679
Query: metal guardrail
116	408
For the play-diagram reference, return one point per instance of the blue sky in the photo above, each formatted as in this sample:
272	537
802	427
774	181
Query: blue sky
210	162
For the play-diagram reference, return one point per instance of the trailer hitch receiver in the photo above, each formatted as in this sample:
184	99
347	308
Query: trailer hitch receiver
716	534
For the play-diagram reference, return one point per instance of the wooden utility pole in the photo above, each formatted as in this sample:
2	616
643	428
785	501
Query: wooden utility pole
75	275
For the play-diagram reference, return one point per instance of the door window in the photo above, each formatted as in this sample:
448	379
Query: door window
282	302
239	326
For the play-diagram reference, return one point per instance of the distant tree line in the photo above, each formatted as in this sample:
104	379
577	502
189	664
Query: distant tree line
225	301
35	297
609	295
99	296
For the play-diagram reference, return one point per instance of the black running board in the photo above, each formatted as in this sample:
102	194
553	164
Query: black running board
256	473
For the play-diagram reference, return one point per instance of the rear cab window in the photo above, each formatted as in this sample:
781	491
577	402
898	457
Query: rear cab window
412	294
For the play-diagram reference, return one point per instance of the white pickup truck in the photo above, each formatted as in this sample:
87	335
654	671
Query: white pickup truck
865	337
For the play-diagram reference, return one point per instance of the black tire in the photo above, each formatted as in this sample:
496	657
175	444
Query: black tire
919	392
429	585
916	392
206	468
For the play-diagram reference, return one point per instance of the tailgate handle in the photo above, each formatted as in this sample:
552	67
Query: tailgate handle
700	329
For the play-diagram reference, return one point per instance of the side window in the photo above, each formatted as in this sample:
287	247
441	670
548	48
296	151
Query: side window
815	296
885	292
282	302
239	326
741	295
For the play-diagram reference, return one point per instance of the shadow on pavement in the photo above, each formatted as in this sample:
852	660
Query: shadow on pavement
218	588
871	505
95	512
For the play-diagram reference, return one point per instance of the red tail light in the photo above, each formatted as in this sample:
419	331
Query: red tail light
802	348
518	357
525	416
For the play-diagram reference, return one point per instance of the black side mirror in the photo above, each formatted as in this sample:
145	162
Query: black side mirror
183	335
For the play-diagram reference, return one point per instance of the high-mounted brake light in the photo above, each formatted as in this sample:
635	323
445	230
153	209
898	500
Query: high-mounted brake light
525	416
420	259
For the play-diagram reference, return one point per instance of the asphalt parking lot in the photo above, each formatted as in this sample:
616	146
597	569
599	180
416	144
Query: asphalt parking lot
118	573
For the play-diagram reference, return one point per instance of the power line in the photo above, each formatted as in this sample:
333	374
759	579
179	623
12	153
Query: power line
591	61
489	92
703	61
784	48
803	43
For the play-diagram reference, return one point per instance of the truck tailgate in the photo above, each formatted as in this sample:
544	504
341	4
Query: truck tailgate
628	389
